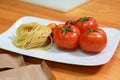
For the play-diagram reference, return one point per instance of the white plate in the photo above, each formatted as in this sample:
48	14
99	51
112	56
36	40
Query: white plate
76	57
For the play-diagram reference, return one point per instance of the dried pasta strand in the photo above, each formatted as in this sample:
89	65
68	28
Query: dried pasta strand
32	35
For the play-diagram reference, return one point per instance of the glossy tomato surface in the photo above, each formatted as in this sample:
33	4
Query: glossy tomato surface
86	23
93	41
67	37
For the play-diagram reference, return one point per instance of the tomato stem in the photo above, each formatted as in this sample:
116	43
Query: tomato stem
72	22
83	19
66	29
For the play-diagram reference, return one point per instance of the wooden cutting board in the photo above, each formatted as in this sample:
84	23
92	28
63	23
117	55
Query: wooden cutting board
59	5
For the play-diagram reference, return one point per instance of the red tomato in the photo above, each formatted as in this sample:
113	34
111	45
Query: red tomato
54	26
69	22
93	41
87	22
78	25
66	37
60	25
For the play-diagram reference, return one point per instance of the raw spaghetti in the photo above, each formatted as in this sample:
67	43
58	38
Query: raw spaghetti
33	35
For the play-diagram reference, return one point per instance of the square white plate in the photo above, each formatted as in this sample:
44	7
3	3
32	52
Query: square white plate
76	57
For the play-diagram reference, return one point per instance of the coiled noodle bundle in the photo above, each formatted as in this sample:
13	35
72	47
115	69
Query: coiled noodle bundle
32	35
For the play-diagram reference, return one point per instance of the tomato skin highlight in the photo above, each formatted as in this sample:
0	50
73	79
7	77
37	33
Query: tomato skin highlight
93	42
67	40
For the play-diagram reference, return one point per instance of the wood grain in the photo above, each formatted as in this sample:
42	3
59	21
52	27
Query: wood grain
107	14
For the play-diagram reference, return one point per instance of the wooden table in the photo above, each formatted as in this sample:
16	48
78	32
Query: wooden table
106	12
